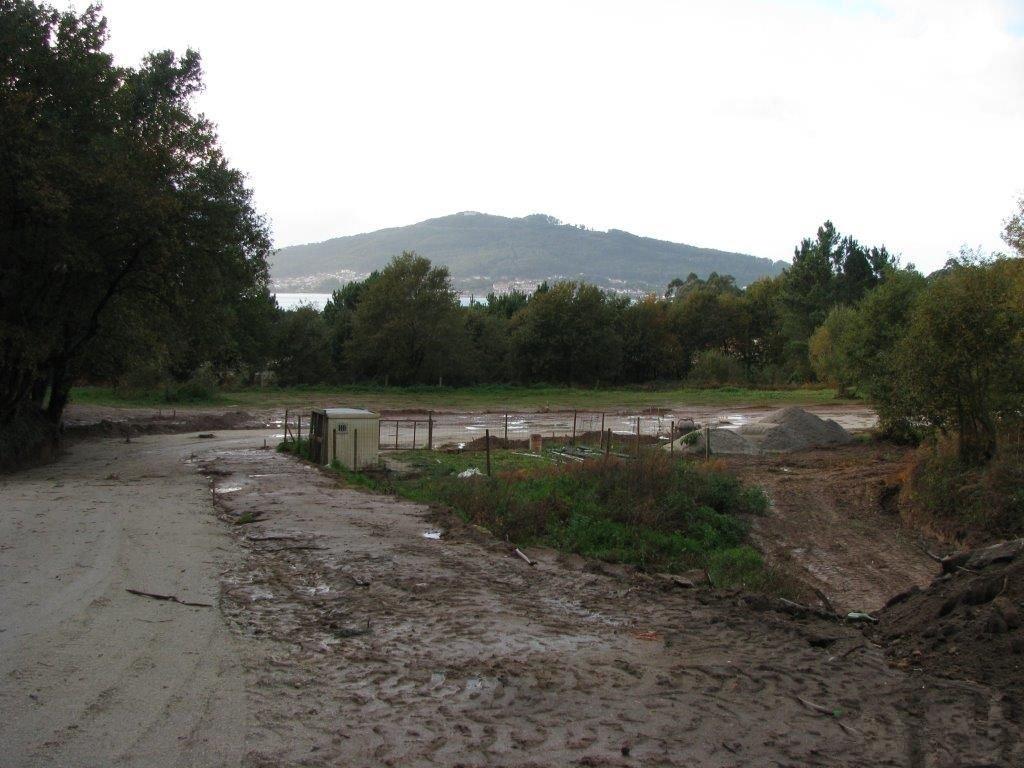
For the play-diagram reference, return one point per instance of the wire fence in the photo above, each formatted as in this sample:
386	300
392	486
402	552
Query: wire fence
430	430
519	429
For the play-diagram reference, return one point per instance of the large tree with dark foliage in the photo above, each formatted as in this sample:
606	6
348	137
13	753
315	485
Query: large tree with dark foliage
119	216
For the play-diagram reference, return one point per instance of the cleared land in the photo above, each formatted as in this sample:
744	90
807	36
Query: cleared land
344	635
467	398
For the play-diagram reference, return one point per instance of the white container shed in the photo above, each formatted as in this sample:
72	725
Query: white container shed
350	435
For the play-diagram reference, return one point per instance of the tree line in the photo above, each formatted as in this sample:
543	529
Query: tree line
131	253
404	325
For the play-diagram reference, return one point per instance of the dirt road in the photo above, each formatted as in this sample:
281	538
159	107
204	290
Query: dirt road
345	636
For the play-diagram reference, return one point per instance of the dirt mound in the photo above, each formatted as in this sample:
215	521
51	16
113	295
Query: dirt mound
968	624
162	424
794	429
723	441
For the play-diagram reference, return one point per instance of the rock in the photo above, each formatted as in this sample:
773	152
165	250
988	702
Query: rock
983	591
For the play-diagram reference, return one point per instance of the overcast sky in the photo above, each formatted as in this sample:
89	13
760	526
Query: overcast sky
736	125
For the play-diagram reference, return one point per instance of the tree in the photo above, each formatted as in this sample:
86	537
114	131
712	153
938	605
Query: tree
649	348
115	202
828	270
1013	234
566	334
303	348
407	328
961	361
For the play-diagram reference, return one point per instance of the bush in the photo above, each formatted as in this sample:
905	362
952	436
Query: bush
712	368
963	502
656	513
201	385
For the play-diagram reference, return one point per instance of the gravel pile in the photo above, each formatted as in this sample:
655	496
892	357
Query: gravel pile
782	431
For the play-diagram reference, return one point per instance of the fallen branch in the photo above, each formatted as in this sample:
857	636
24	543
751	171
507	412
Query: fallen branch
525	557
830	713
788	606
824	600
169	598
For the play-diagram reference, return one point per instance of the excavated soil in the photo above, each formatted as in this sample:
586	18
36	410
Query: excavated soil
967	625
833	522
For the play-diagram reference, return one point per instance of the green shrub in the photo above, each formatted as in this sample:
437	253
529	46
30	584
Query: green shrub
656	513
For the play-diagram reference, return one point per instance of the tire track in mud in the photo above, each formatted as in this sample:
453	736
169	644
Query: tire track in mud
368	644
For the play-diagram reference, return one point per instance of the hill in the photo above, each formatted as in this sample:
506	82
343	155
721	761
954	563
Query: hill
482	251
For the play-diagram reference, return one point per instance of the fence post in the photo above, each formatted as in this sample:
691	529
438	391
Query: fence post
638	437
574	429
286	425
487	441
608	445
300	433
334	445
707	442
414	423
672	438
506	430
355	450
430	430
396	434
602	426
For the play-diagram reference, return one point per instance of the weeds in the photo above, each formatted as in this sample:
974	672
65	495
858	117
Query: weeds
659	513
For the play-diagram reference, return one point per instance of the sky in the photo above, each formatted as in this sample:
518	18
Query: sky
739	124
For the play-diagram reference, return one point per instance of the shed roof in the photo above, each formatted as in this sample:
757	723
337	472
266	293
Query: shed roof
346	413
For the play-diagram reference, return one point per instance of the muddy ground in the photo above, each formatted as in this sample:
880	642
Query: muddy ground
834	520
344	633
450	428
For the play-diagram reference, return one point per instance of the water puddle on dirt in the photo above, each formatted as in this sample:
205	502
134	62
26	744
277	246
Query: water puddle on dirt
436	535
229	489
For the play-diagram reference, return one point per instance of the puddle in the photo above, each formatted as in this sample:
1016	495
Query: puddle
432	535
229	489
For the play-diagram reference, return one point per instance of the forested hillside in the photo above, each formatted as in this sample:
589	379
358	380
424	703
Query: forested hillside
483	252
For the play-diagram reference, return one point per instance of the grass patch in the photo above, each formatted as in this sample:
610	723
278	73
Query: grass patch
660	514
464	398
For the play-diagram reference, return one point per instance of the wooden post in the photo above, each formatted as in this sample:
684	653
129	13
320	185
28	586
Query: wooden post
506	430
608	445
487	441
300	433
573	429
396	434
602	426
430	431
638	437
286	425
414	423
672	438
334	445
355	450
707	443
128	432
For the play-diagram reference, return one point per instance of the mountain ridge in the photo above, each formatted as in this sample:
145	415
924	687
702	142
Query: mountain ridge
484	252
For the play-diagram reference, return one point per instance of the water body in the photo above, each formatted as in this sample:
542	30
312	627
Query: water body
319	300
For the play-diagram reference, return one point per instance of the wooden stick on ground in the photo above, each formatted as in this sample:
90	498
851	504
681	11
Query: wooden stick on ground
169	598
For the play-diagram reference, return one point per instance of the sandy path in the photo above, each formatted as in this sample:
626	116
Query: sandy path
89	674
357	641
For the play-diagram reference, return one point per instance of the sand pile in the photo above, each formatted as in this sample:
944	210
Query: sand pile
794	429
968	624
724	441
788	429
